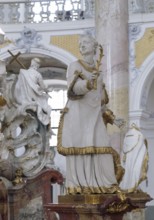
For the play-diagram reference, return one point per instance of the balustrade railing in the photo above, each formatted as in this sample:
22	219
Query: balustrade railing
41	11
141	6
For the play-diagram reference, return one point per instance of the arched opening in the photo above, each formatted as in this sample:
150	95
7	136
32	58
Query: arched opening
140	89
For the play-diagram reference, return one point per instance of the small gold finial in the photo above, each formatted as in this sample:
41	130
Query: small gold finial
18	177
2	101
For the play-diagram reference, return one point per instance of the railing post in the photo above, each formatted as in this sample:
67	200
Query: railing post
14	13
29	14
40	11
1	14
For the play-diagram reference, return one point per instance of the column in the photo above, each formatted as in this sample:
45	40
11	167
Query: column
112	32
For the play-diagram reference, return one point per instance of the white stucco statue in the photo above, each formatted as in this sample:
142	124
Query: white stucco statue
24	123
31	90
82	137
134	159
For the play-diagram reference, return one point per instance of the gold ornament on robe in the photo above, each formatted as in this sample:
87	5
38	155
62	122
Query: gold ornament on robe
98	64
71	95
2	101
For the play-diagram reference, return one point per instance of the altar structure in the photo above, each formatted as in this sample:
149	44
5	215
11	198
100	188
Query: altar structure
127	66
108	207
98	184
26	160
128	203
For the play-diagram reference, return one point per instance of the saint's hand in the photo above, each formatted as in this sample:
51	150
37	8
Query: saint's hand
94	75
93	80
119	122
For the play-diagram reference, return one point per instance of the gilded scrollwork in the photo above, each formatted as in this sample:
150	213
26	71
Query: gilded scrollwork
117	207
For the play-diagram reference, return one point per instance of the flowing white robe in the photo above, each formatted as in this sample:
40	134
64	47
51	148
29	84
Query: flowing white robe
29	93
84	140
134	160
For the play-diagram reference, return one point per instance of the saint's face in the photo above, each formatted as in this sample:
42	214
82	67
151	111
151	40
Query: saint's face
35	65
86	46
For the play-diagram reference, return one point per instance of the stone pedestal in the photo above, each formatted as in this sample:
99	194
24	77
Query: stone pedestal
96	207
26	200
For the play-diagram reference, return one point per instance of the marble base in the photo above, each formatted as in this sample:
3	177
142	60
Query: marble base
97	207
26	200
137	199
